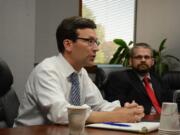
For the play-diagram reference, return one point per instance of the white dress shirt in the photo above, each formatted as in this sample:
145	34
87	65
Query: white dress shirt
46	94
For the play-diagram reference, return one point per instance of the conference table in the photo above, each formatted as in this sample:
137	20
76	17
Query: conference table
64	130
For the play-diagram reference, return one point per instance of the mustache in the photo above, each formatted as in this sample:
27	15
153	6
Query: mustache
142	68
143	64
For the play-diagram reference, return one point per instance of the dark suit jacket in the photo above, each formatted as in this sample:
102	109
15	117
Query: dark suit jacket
126	86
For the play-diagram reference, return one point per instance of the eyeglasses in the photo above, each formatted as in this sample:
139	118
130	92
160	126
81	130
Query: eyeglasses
90	41
139	57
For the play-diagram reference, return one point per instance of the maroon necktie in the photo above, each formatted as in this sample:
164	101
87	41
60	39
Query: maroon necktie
151	95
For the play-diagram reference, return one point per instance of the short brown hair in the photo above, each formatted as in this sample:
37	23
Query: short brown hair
68	29
138	45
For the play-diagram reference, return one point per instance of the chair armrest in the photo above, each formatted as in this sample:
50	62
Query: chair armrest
10	104
176	98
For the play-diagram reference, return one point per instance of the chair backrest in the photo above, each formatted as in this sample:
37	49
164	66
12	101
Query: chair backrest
108	68
97	75
10	105
6	78
172	79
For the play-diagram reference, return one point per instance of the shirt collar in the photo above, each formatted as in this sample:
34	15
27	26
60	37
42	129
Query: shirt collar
142	77
68	69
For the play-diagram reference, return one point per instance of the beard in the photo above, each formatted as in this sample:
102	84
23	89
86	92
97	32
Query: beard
142	68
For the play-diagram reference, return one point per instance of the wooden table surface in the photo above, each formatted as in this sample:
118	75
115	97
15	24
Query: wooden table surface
64	130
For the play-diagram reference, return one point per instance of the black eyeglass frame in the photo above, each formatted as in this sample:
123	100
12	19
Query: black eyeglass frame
90	41
139	57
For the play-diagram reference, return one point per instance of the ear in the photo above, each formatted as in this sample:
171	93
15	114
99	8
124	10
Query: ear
68	45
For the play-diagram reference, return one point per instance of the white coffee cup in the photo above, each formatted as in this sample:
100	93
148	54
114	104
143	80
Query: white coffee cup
77	116
169	119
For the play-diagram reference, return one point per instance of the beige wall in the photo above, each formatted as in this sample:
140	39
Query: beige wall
27	33
159	19
49	14
17	38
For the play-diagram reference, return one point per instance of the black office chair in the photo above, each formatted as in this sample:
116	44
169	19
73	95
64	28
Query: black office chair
172	80
176	98
10	105
6	78
9	102
97	75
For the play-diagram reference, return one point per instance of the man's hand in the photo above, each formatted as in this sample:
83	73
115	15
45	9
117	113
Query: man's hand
132	112
131	105
139	110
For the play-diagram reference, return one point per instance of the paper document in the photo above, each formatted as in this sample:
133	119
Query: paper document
141	127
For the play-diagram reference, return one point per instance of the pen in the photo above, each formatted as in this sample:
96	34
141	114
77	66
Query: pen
116	124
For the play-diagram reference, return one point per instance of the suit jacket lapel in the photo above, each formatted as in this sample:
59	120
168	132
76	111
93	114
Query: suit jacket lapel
137	83
156	87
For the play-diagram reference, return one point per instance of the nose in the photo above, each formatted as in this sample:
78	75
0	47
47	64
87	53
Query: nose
96	47
143	59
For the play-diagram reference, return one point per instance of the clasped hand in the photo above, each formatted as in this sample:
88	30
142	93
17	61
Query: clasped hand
136	111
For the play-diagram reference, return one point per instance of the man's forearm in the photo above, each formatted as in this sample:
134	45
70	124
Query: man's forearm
124	114
97	117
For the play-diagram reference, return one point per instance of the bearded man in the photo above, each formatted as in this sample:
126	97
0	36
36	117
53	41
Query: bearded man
140	83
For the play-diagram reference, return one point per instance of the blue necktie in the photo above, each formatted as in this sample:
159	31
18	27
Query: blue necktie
75	89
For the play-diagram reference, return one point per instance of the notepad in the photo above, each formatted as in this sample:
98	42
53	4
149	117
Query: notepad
141	127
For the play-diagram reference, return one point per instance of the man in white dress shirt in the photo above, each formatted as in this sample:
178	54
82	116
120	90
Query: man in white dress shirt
47	91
